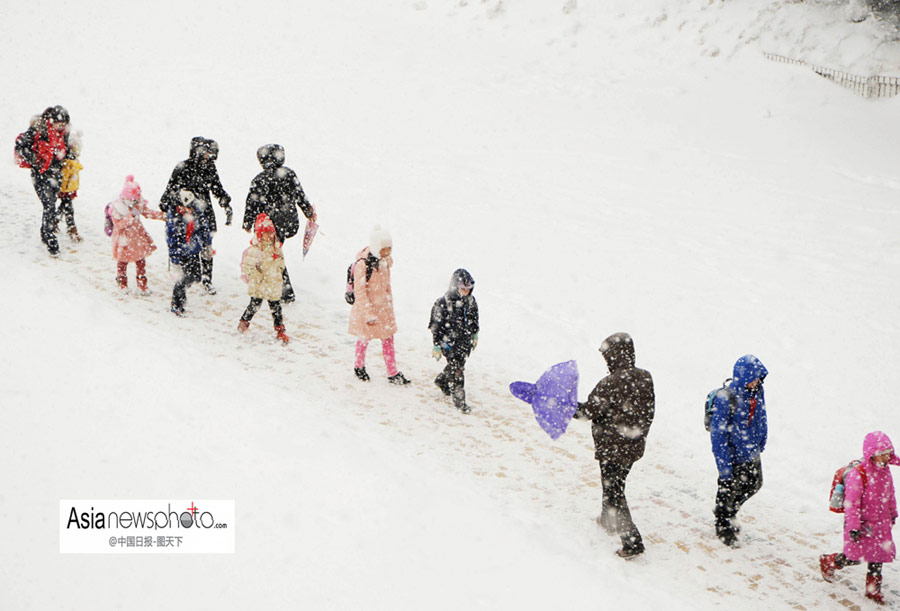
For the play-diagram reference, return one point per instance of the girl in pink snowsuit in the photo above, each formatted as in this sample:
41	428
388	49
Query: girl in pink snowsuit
372	314
870	509
130	241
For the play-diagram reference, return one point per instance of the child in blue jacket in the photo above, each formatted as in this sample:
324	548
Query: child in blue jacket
738	431
185	231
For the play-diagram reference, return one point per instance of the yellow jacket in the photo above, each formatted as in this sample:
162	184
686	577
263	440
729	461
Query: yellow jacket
70	171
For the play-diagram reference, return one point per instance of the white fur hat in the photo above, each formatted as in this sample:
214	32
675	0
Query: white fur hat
75	141
379	239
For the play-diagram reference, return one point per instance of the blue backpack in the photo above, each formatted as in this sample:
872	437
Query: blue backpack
711	400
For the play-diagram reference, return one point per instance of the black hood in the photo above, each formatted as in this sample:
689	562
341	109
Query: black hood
458	278
271	156
618	350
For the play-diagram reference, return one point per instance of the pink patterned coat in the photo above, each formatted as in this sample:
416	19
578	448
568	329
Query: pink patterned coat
130	241
372	314
871	508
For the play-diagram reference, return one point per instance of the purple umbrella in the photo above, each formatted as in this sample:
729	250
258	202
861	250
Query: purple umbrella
554	397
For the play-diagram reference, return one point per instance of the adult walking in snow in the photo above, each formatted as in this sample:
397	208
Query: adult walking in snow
738	430
372	314
198	174
43	148
276	191
130	241
621	408
261	266
870	510
454	331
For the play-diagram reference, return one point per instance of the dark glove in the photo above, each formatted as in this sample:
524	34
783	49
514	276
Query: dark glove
855	535
229	214
225	201
580	414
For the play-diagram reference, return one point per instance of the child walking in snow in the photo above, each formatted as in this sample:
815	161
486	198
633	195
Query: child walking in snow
68	191
454	331
870	510
130	241
261	267
372	315
183	235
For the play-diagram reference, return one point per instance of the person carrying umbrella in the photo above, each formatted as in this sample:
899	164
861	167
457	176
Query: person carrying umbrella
621	409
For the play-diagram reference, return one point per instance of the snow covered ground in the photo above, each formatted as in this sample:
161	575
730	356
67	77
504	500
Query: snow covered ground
597	167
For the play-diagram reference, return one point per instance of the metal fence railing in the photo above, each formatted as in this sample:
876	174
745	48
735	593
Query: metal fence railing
866	86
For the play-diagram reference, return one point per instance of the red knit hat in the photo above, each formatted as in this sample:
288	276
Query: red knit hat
263	225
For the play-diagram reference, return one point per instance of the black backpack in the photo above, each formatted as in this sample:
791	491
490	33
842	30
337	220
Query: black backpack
711	400
24	153
349	294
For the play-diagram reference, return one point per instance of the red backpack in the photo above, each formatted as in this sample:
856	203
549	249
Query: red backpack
836	499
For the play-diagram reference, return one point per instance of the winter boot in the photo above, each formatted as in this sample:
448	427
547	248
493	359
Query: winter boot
280	334
398	379
73	234
459	400
361	373
122	281
141	282
630	551
828	566
726	535
243	325
441	383
873	588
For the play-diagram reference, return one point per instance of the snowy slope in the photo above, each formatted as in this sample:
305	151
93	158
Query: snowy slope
595	167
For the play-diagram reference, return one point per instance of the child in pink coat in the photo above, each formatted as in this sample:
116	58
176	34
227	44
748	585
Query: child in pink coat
372	315
130	241
870	509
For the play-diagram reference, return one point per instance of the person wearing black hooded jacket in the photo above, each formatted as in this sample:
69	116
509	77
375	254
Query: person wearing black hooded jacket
276	191
198	175
621	409
454	330
43	148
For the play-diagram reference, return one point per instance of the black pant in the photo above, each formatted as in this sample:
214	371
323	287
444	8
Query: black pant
66	209
841	561
616	517
190	273
206	265
452	379
287	291
47	188
253	308
746	481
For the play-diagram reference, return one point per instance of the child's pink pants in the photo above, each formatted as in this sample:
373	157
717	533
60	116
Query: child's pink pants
387	349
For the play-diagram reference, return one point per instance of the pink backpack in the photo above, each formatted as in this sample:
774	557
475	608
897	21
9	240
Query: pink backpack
108	225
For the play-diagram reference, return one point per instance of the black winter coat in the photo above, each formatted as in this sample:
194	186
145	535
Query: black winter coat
621	406
201	179
277	192
30	138
454	320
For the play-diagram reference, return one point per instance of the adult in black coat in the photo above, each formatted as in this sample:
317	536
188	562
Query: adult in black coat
621	408
198	174
276	191
43	147
454	330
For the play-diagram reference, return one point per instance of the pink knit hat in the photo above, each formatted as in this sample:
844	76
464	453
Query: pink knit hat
131	190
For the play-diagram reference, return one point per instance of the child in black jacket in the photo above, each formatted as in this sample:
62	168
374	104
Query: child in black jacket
454	329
